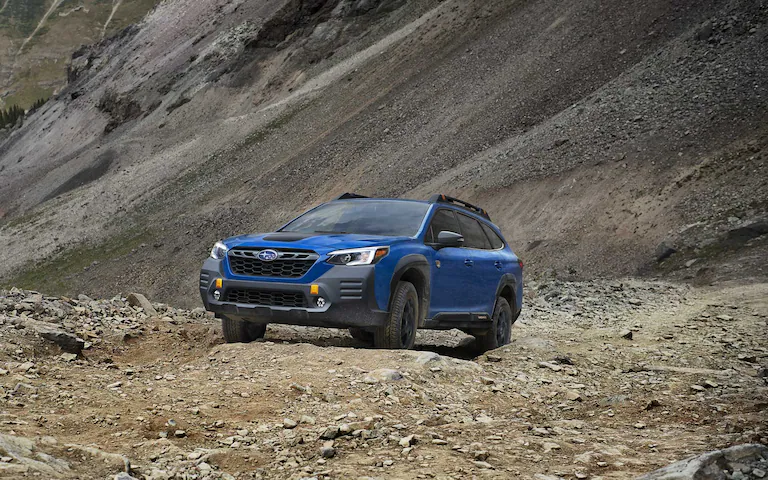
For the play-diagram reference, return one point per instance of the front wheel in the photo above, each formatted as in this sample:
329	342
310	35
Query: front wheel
241	331
399	332
501	328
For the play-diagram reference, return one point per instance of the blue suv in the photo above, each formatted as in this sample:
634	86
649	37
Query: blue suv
381	267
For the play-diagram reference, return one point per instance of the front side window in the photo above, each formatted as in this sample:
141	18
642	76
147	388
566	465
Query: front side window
473	233
443	221
364	217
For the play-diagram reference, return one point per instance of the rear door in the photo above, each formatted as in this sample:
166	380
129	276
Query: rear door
485	264
451	270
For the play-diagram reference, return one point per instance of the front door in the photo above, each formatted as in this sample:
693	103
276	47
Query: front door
453	287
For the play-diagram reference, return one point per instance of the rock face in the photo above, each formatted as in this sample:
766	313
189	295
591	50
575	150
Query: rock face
744	462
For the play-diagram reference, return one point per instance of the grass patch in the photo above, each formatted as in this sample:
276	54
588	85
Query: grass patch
51	274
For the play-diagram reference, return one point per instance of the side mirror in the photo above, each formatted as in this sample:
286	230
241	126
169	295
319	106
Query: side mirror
449	239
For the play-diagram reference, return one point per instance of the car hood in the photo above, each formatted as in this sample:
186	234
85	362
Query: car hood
320	243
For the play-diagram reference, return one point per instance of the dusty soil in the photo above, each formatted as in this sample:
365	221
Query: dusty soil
570	397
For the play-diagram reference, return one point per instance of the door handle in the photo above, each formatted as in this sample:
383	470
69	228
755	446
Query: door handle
468	262
498	264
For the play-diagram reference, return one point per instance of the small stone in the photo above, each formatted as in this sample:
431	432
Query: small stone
68	357
327	452
747	358
383	375
289	424
493	358
697	388
725	318
635	301
484	465
710	384
180	434
639	425
330	433
487	380
306	419
114	385
759	473
551	366
439	441
388	463
406	441
549	446
573	396
626	334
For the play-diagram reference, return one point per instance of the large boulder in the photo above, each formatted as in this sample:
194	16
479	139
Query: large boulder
139	300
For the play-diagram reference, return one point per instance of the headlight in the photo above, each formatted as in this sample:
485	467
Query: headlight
357	256
219	251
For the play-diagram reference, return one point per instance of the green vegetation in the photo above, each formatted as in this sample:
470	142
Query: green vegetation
9	116
50	275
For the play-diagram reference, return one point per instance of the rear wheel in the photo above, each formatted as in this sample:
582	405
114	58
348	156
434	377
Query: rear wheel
361	335
501	329
241	331
400	328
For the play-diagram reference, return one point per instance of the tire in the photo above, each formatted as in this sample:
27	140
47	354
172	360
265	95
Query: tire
501	328
241	331
361	335
399	332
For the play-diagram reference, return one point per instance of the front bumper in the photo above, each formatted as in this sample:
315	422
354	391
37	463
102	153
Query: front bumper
348	293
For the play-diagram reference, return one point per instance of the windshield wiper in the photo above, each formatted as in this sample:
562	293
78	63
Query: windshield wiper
329	231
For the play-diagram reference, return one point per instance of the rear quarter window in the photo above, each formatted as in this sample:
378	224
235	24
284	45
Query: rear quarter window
496	241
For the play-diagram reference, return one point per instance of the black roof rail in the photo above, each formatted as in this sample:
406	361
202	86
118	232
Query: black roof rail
439	198
349	196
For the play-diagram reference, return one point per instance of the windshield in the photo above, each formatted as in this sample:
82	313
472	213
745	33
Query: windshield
364	217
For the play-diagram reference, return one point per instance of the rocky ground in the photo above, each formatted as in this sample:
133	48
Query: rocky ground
604	380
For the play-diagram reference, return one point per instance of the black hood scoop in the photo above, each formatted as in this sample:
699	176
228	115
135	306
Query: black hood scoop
288	236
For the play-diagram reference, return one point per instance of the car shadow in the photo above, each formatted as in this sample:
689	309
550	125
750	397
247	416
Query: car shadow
443	343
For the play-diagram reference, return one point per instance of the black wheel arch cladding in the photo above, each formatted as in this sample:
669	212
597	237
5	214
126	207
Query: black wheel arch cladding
414	268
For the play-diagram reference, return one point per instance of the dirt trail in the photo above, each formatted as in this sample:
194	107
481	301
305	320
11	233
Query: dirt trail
569	398
115	5
40	24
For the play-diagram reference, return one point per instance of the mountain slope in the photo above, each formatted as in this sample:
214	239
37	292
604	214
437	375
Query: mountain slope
37	38
592	132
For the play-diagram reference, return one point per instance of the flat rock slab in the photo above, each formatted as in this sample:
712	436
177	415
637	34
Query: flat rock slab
66	341
715	465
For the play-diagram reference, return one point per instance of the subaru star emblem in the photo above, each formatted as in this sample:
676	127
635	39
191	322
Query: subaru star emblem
268	255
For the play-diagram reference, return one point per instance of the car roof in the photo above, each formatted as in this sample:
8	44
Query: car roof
449	206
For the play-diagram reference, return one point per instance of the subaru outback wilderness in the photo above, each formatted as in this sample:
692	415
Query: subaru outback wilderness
381	267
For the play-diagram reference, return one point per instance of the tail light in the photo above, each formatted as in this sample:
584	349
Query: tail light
520	262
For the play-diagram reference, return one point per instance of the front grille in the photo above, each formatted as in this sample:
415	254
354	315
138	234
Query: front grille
289	264
204	280
266	297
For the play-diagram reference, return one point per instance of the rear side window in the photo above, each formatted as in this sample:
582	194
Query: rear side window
473	233
496	241
443	221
